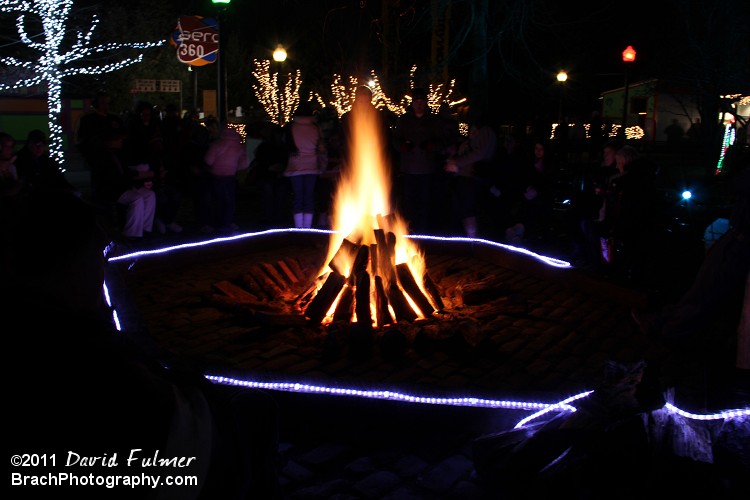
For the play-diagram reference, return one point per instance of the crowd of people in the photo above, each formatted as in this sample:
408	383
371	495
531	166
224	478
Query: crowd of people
147	165
155	172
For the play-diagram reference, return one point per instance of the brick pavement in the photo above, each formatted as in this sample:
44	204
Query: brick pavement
340	447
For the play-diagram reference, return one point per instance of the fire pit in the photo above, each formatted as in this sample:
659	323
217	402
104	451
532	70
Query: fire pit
509	321
292	301
309	302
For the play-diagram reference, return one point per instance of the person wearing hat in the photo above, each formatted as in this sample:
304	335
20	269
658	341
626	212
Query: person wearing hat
36	169
115	182
420	139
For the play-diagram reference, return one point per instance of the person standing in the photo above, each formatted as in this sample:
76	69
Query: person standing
307	154
35	166
95	126
192	172
419	138
535	205
266	176
225	157
473	156
629	205
116	183
145	144
9	180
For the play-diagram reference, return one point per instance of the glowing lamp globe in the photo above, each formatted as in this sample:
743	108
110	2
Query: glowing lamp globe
279	55
562	76
628	55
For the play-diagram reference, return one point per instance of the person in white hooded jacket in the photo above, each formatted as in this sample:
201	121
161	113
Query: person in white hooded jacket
225	157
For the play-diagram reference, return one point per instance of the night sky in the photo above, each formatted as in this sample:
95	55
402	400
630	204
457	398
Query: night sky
526	43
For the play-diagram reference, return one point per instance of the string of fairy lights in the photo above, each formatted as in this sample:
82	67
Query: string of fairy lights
53	63
279	96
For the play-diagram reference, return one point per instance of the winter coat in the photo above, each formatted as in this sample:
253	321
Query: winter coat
308	145
227	155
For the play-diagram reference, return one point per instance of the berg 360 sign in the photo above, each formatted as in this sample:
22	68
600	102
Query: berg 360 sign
196	39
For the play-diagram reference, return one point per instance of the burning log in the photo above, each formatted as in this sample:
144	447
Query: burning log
386	222
323	300
295	267
409	284
433	291
390	240
362	306
400	305
381	244
385	263
288	272
374	259
360	263
265	281
483	291
305	297
274	274
381	303
343	310
235	293
347	250
252	285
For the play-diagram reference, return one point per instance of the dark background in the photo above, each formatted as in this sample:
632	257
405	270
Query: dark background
503	55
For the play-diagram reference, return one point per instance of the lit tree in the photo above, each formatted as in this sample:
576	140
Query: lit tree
343	94
54	63
278	103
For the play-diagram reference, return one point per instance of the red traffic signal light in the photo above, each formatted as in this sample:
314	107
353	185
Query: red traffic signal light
628	55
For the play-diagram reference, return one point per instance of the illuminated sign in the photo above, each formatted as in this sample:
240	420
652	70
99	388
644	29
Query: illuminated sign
196	39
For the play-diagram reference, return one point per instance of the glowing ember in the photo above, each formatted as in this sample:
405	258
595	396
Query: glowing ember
374	274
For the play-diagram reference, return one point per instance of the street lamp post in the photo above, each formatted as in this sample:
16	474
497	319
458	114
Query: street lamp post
562	77
221	80
279	55
628	56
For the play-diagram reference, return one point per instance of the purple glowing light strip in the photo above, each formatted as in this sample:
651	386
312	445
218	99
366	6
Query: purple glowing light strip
550	261
547	260
213	241
542	408
388	395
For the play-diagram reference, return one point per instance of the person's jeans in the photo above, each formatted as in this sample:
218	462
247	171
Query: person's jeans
224	194
303	187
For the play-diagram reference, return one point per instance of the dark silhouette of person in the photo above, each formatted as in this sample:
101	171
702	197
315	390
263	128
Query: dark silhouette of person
674	132
266	175
420	139
36	168
79	386
95	126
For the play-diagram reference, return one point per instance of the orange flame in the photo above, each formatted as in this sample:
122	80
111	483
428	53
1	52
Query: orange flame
362	199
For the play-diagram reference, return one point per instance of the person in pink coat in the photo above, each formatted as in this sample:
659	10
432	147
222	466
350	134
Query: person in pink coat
307	154
225	157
